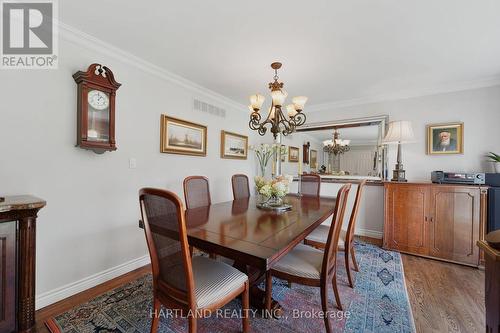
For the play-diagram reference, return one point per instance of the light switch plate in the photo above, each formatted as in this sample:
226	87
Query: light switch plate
132	163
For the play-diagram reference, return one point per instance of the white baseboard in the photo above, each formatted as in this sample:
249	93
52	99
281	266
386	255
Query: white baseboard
369	233
55	295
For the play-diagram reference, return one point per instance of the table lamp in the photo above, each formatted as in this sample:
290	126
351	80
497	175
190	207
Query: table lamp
399	132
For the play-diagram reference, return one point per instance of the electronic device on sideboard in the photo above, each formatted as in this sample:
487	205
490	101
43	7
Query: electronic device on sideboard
468	178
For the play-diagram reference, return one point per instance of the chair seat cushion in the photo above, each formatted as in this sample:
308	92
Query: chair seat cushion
320	235
304	261
214	280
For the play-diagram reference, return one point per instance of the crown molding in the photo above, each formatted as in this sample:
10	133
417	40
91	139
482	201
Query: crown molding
87	41
443	89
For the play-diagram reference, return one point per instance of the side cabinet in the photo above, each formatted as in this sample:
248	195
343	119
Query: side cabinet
439	221
454	224
406	208
8	277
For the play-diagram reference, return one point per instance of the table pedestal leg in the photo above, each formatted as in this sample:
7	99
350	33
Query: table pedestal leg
257	295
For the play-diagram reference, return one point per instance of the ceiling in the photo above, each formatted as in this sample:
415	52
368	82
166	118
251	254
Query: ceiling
332	50
358	135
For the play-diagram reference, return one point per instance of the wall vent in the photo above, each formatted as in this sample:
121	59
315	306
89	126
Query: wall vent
208	108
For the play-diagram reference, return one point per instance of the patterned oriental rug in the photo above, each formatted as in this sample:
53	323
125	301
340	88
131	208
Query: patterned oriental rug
378	303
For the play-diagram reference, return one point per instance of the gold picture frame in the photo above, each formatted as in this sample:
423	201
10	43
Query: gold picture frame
233	145
445	139
314	159
183	137
293	154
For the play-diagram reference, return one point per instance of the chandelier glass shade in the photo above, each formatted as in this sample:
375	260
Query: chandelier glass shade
275	120
336	146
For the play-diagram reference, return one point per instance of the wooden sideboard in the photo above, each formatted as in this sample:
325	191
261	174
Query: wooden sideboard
17	262
434	220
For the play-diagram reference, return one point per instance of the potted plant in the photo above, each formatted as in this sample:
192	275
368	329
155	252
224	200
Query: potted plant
495	159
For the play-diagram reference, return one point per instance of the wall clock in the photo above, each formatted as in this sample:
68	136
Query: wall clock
96	108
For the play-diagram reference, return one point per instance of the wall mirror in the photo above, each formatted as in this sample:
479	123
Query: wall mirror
352	148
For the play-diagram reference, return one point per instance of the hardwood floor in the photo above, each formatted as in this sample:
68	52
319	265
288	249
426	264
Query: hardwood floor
444	297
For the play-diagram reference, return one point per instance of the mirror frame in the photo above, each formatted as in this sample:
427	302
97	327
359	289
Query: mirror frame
382	121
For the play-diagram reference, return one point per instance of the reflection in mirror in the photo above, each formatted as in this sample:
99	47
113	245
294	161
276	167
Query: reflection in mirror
352	148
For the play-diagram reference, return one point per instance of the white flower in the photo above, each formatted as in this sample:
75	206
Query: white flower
266	190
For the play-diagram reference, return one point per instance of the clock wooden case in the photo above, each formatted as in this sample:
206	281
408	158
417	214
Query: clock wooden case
96	108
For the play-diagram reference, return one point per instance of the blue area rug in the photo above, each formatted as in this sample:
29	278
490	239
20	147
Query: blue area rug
378	303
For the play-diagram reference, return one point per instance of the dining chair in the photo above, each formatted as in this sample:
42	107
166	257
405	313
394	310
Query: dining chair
319	236
241	189
196	192
193	285
309	266
310	184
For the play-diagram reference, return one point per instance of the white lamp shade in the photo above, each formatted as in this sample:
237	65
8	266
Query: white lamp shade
290	108
256	101
299	102
279	97
328	143
399	132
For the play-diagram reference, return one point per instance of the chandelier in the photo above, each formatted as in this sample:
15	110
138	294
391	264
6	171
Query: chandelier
275	119
336	146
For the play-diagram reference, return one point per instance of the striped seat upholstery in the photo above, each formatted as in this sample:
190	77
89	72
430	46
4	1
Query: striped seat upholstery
213	280
320	235
304	261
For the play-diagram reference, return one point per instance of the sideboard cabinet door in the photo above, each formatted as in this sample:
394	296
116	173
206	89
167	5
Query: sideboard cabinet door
406	208
8	277
454	226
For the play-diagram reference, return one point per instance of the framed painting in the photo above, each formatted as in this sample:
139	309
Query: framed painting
182	137
233	145
293	154
445	139
283	149
314	159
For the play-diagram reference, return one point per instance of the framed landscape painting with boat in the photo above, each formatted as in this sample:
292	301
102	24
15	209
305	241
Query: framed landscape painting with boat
182	137
233	145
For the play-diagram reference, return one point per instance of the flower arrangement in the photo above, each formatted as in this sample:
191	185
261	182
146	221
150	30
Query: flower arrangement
265	152
276	188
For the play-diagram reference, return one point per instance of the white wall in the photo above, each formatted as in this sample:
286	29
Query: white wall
90	223
479	110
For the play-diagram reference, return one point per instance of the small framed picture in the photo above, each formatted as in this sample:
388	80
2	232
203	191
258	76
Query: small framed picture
445	139
182	137
283	156
293	154
314	159
233	145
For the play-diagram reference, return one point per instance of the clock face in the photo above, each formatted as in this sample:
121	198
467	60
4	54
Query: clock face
98	99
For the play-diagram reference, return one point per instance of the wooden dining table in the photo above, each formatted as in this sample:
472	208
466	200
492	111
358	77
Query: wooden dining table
255	238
